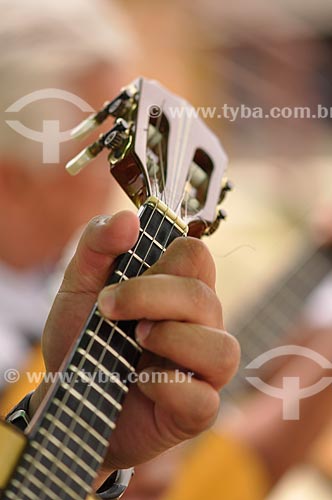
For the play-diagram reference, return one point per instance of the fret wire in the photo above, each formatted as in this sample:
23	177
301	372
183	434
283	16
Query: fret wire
25	490
70	390
127	266
101	357
102	368
89	405
42	486
144	233
69	452
67	471
112	331
97	388
139	240
115	353
60	452
136	245
137	257
120	331
82	422
153	211
73	424
86	393
122	275
155	241
46	471
63	466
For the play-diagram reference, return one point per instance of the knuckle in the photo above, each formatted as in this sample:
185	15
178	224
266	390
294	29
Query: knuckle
203	415
218	311
205	300
209	411
229	359
197	252
199	293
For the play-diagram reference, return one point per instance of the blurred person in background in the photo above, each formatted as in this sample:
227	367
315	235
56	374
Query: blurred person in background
80	47
68	46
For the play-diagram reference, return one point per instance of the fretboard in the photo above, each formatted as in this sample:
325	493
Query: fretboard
263	326
68	444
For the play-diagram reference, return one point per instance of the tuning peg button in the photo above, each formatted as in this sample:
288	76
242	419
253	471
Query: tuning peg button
80	161
226	187
222	214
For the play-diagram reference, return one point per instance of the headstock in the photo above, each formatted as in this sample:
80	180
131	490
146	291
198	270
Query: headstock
160	147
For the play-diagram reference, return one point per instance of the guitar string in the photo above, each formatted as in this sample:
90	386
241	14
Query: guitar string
140	268
151	244
88	389
101	357
176	154
38	456
186	134
104	351
180	151
112	331
90	344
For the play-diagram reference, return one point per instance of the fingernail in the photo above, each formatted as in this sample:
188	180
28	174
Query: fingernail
143	330
107	298
102	220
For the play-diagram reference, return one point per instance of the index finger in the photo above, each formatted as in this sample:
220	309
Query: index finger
187	257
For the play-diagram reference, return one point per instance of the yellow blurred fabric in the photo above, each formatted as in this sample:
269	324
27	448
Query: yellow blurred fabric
13	393
220	469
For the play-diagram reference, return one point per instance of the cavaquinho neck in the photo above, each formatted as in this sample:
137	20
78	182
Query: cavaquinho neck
69	441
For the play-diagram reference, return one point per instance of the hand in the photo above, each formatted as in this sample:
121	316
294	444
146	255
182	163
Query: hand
182	327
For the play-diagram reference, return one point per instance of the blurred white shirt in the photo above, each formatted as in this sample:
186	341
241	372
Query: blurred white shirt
25	300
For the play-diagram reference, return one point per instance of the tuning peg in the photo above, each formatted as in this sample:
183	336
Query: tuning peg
225	188
114	140
221	215
76	164
116	108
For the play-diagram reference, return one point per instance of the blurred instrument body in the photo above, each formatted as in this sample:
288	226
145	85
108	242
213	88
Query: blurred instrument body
264	325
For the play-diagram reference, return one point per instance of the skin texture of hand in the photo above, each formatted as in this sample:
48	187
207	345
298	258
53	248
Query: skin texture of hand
181	327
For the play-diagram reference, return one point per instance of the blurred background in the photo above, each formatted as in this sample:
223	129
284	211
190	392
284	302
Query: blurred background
259	54
255	54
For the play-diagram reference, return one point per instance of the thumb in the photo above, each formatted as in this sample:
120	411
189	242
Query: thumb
103	240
